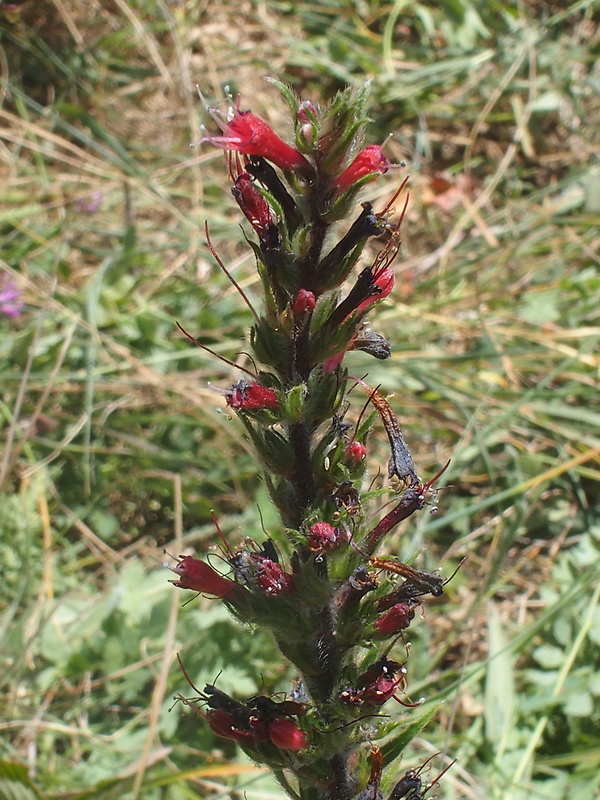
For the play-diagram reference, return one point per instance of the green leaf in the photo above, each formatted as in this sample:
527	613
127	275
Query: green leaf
579	704
394	746
500	700
15	783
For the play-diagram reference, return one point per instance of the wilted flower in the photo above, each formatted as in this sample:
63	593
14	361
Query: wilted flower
223	724
384	280
377	685
397	619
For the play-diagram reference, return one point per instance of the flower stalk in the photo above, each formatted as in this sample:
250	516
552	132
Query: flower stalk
336	610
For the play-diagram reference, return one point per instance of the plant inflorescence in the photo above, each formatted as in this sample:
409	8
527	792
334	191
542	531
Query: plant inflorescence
336	609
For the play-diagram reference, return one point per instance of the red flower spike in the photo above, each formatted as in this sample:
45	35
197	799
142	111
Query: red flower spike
253	204
201	577
287	735
304	301
251	396
323	536
248	134
355	453
397	619
369	164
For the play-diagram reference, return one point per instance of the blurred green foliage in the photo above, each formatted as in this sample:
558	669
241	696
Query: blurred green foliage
113	447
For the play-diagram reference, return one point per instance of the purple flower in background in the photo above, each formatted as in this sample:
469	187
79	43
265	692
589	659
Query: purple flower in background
89	204
10	305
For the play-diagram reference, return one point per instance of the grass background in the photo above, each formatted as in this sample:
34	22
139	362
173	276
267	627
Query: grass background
114	444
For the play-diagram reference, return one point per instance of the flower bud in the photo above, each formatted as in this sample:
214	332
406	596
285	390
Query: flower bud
304	301
201	577
355	453
397	619
286	734
368	165
253	204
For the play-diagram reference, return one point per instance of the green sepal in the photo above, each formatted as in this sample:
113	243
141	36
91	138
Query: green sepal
271	347
323	310
322	396
337	273
288	94
366	426
326	342
273	449
343	128
294	404
344	203
301	239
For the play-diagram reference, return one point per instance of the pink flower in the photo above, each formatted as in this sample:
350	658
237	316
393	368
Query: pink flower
89	204
201	577
368	165
10	305
248	134
251	396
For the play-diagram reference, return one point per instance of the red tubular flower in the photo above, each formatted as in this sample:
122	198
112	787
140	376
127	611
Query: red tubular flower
370	163
253	204
355	452
397	619
305	300
251	396
201	577
287	735
250	135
